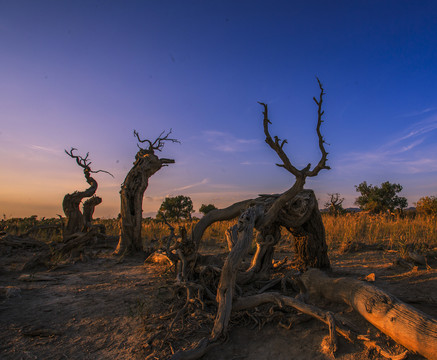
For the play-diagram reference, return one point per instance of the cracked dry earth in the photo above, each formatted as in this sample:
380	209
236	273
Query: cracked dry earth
97	310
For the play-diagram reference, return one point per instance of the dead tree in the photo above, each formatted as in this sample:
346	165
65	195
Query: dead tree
132	191
295	210
71	202
335	204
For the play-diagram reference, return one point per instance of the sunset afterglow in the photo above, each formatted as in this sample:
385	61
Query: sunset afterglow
85	74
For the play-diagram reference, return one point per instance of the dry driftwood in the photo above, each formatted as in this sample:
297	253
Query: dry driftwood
406	325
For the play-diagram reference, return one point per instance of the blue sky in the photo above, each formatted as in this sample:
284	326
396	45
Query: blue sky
86	73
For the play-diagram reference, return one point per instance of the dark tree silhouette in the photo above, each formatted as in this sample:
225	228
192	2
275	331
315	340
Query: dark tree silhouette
175	208
380	199
335	204
205	209
75	219
132	191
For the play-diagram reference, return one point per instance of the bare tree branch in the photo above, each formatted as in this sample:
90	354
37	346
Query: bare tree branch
158	144
84	162
322	163
277	145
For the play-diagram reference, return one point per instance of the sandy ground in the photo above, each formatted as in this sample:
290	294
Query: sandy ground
99	309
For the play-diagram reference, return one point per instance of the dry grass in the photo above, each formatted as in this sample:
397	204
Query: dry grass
419	232
387	231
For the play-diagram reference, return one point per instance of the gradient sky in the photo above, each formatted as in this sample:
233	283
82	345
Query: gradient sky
84	74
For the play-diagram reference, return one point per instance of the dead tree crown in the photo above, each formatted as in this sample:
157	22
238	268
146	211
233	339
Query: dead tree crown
275	204
157	145
84	162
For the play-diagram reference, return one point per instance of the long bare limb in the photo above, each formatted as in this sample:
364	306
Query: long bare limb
322	163
277	145
229	213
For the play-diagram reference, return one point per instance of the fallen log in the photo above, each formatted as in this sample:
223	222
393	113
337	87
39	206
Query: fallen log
406	325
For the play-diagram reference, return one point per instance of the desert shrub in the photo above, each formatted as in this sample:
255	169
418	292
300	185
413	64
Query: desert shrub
427	205
380	199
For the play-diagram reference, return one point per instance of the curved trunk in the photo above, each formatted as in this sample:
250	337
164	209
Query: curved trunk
229	213
131	196
71	203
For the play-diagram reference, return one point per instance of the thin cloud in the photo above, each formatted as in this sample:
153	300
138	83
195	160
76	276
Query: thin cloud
203	182
411	146
43	148
420	128
406	153
227	142
418	113
249	163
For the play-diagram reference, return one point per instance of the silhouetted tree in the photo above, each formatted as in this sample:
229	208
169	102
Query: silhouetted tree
176	208
76	221
380	199
334	204
132	191
296	210
205	209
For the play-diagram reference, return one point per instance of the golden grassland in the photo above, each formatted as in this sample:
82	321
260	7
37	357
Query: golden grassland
390	232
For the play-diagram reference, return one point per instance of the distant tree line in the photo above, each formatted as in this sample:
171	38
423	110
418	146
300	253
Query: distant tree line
373	199
380	200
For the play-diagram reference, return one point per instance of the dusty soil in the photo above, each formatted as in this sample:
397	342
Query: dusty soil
104	308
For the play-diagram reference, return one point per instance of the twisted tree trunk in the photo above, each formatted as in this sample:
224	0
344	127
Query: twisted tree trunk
131	196
300	215
132	192
71	203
